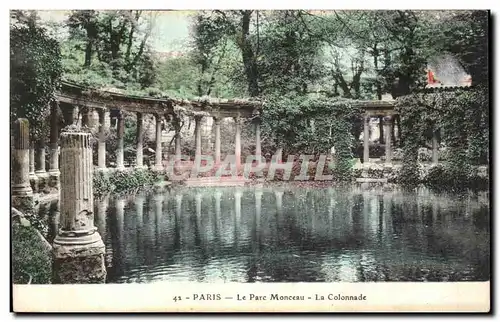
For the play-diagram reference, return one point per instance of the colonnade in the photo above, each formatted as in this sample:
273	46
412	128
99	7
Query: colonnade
388	128
37	156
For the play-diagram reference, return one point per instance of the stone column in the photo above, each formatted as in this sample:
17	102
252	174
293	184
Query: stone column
120	129
237	142
21	188
197	137
32	161
54	149
435	147
101	144
40	171
78	249
32	175
139	141
76	115
217	139
366	139
40	158
158	165
388	139
258	150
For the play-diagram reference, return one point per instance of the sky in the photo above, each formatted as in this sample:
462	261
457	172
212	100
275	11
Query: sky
171	32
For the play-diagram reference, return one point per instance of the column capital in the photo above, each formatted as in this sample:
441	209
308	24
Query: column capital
198	117
216	119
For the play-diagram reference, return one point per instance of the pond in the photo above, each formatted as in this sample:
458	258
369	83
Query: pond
295	234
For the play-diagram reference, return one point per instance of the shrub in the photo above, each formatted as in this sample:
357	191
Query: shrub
125	181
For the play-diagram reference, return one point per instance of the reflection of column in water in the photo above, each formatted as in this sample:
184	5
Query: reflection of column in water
178	214
118	251
330	207
350	211
139	212
100	217
434	209
314	213
278	194
237	209
420	224
468	207
198	208
158	199
120	211
178	206
139	209
366	210
387	209
381	215
218	195
258	208
199	228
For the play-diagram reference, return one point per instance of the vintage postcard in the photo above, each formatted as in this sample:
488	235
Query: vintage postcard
250	160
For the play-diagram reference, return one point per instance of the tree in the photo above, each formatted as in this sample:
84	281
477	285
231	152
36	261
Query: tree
112	40
35	71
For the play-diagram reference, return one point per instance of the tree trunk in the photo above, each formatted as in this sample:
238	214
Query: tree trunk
248	55
375	54
88	54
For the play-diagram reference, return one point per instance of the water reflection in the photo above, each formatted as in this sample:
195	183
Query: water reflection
293	234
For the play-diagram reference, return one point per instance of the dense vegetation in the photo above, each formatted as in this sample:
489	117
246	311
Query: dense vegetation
306	66
30	260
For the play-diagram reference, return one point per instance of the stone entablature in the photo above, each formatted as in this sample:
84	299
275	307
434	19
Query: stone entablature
92	98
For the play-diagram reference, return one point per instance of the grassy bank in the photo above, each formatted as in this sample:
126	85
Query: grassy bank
31	260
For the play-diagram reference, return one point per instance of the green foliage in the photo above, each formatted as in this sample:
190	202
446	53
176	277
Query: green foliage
29	257
101	183
110	48
35	70
312	126
289	48
124	181
461	116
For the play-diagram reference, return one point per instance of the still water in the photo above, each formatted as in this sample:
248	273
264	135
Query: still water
292	234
